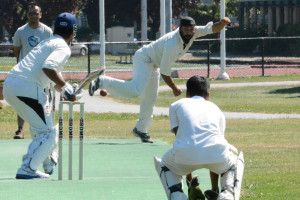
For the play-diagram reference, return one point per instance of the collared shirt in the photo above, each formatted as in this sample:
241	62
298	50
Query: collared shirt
28	38
166	50
200	135
52	53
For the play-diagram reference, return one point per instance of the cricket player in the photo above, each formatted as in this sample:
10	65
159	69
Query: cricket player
149	63
24	91
199	127
25	39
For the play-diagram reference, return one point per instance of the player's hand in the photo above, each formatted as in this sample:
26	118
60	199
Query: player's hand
68	93
79	93
194	190
177	91
225	21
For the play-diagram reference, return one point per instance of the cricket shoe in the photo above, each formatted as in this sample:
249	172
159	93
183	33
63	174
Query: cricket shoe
30	174
19	135
94	85
49	166
143	136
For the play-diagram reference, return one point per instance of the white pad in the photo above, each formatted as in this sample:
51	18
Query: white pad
40	148
227	185
239	171
170	180
231	181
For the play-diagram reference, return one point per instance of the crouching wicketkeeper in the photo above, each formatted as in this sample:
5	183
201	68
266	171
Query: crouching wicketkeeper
199	126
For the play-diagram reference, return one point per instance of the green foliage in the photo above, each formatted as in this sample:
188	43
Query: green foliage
125	13
232	8
205	14
84	34
288	47
13	12
288	30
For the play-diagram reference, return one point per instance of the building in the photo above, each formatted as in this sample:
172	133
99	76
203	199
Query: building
269	14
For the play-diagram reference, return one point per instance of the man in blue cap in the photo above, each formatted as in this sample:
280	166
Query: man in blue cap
152	61
24	91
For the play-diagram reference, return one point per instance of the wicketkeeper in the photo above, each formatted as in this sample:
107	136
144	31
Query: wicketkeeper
149	63
24	91
199	126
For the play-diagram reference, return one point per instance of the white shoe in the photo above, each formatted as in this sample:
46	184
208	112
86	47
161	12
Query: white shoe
94	85
30	174
49	166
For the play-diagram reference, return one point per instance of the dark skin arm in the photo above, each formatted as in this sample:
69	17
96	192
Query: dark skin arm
54	76
218	26
17	52
169	81
214	179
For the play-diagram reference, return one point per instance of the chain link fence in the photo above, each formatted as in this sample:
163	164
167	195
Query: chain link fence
264	56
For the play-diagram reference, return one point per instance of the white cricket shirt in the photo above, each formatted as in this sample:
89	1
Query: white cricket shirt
28	38
166	50
200	135
52	53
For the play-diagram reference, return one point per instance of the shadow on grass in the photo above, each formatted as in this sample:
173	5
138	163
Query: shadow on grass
123	143
293	90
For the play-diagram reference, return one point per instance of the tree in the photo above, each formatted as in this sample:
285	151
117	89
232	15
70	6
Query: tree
13	12
126	12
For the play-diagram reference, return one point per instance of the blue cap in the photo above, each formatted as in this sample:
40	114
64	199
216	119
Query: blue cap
65	20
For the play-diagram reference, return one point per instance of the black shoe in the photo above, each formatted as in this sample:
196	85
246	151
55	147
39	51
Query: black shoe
19	135
144	136
94	85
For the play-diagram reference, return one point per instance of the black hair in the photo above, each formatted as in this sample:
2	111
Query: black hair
63	32
198	86
33	5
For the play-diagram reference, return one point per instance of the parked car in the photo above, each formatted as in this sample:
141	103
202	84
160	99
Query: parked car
78	49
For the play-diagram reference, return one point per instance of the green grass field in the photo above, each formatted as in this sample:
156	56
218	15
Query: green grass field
271	147
258	99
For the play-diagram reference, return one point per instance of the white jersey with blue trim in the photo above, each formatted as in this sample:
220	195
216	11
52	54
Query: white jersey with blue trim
52	53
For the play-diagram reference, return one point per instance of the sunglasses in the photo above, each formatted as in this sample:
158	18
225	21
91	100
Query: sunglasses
33	14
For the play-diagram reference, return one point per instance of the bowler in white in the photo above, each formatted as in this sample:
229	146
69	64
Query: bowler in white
149	63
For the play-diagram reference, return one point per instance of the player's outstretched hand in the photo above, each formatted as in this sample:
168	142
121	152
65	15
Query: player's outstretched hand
68	93
225	21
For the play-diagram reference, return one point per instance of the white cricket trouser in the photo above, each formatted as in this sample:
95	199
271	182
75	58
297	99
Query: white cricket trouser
144	83
224	168
168	160
31	103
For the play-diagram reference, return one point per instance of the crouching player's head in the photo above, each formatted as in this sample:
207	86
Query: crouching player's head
198	86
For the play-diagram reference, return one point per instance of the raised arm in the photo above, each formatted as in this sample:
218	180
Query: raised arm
218	26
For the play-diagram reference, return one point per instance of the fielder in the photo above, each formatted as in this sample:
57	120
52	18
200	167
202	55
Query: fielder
199	126
149	63
24	91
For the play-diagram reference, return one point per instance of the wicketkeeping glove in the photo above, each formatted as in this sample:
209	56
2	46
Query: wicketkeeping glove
68	93
195	192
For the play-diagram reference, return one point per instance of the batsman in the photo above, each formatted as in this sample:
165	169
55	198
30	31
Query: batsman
199	128
24	91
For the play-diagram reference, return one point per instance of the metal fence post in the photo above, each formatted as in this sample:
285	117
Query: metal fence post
208	59
89	58
263	57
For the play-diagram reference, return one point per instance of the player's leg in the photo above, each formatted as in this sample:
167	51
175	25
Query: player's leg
51	161
19	134
130	89
31	104
178	170
147	103
171	182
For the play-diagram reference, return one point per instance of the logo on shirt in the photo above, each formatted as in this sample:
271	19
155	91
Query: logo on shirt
33	41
